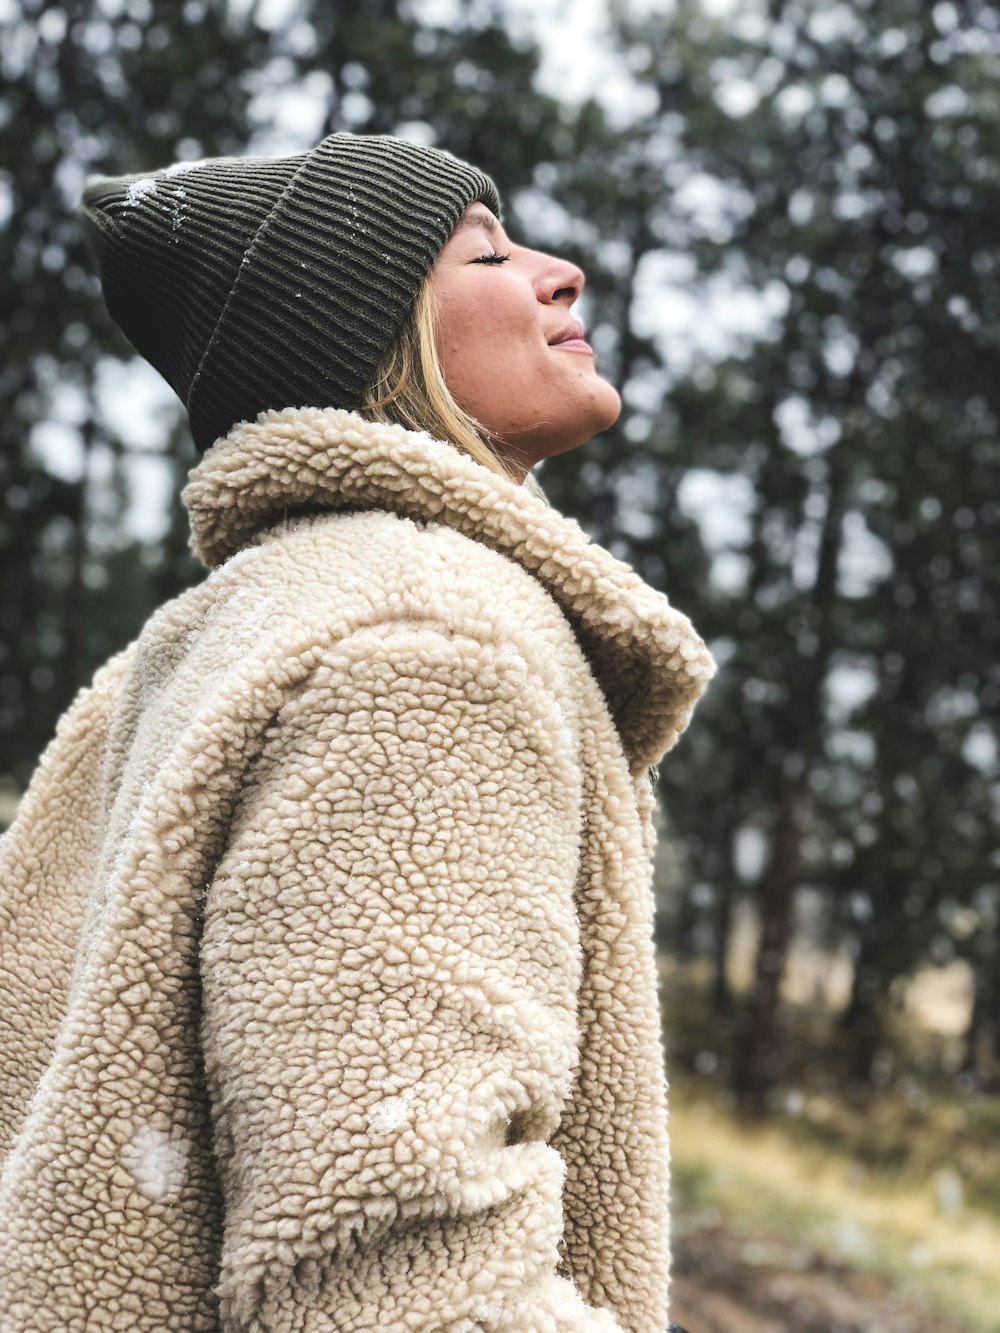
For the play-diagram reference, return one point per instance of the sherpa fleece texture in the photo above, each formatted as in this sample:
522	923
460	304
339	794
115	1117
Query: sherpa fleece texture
327	985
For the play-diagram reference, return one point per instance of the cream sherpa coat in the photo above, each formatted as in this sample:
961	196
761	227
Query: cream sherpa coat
327	988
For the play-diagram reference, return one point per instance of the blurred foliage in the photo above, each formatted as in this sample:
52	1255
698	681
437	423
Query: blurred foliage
853	1207
121	86
774	1233
838	163
851	158
912	1123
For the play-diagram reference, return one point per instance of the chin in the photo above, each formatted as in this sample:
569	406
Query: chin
569	424
601	411
597	415
613	408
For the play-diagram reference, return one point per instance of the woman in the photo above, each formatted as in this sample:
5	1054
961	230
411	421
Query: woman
327	977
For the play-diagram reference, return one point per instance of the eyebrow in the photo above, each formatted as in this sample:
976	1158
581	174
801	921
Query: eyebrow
486	220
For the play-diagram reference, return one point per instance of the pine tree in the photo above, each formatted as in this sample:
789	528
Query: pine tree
857	155
131	87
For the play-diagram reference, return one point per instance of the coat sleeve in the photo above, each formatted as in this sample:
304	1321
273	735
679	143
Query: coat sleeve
390	964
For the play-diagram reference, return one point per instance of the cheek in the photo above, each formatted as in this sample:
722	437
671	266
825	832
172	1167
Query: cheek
489	314
486	343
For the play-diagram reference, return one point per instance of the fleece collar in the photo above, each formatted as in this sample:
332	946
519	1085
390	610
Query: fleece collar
647	657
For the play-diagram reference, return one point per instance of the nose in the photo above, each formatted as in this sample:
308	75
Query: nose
560	282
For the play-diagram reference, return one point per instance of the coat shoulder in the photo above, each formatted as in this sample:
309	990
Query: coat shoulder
385	565
377	535
310	586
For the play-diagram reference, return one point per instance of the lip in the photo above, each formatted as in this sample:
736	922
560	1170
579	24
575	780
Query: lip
572	339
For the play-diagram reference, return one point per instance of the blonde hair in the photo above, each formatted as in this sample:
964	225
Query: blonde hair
409	390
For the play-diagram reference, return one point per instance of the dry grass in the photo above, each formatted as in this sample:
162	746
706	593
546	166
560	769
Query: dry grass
761	1180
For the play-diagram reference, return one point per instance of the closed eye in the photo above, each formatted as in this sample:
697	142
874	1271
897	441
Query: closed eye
493	258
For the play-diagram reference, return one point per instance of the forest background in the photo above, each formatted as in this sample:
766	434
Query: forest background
788	216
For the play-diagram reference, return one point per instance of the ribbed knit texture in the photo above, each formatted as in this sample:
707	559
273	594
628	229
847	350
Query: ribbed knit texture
256	283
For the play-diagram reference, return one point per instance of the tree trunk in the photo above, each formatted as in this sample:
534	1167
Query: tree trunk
71	651
682	944
756	1034
860	1019
722	996
754	1064
982	1037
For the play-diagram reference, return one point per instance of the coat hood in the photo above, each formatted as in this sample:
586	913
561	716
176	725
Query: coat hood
648	659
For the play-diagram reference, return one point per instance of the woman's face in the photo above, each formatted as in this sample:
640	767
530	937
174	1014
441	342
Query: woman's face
502	308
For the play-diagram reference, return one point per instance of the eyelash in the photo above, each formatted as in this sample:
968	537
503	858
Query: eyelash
494	258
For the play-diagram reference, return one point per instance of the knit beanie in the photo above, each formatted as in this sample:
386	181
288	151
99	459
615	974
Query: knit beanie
254	282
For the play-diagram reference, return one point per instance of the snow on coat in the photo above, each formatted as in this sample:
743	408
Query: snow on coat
327	983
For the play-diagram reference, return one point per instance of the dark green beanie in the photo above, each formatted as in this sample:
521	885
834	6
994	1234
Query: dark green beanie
254	283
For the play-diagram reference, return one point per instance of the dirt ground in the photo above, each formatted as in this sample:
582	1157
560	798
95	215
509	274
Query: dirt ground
722	1284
